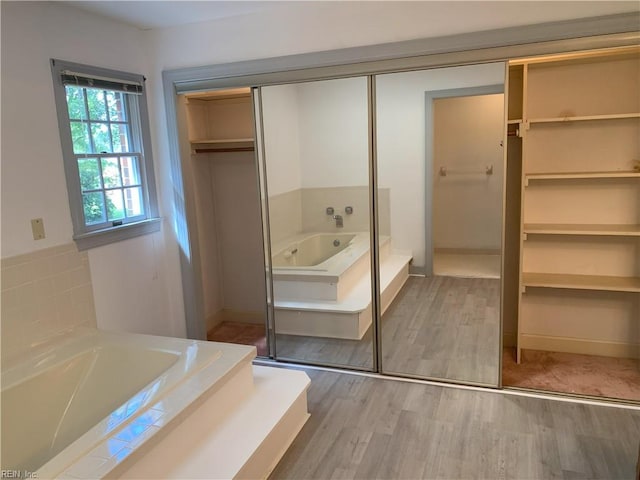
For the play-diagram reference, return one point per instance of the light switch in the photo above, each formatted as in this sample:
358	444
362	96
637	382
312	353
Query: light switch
37	227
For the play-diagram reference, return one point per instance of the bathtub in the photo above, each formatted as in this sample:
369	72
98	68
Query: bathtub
322	283
313	252
94	398
322	266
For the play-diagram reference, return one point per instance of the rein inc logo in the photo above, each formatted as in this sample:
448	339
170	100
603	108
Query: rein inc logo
18	474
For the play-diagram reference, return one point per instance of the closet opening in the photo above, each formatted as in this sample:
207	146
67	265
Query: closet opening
574	124
223	205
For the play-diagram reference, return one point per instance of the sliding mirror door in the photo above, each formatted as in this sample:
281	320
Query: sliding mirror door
440	163
316	163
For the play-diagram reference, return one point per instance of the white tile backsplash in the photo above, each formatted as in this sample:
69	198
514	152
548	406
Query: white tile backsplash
304	210
44	293
285	215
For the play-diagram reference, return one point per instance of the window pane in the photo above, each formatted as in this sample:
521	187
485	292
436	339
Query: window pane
80	137
111	173
97	107
93	206
120	136
115	207
75	103
89	171
130	171
101	139
116	105
133	201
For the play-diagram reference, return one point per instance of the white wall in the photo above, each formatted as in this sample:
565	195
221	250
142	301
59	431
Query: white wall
300	27
34	32
130	279
401	126
333	118
239	231
467	207
289	30
281	138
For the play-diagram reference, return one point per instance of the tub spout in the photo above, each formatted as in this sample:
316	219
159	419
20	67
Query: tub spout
338	219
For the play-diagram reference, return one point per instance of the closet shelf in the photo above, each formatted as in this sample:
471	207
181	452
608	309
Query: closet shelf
581	175
582	229
584	118
225	145
582	282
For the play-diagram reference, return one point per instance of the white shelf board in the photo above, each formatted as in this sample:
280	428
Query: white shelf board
584	118
582	282
582	175
582	229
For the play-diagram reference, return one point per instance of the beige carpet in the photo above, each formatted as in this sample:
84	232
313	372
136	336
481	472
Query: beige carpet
572	373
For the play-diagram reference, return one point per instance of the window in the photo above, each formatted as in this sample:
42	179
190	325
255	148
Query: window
104	132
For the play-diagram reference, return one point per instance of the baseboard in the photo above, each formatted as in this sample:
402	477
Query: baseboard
239	316
421	271
581	346
509	339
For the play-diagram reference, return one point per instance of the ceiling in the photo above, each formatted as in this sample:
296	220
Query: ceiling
153	14
436	15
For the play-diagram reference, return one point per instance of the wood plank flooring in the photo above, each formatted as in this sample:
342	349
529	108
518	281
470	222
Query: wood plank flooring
442	327
369	428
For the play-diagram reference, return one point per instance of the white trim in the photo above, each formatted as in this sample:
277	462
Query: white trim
613	403
97	77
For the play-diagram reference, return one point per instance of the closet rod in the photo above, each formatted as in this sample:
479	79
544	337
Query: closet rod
231	149
444	171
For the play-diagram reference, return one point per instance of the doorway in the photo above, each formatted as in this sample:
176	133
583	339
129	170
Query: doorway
464	138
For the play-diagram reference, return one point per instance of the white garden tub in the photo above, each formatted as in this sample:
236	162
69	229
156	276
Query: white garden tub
322	266
91	400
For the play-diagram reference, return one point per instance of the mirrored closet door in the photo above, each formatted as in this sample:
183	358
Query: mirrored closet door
440	163
316	164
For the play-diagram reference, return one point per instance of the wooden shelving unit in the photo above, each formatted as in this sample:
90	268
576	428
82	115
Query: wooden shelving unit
582	282
585	118
613	230
580	194
220	121
580	175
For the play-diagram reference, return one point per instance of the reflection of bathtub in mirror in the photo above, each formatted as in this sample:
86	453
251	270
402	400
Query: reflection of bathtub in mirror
322	289
318	270
313	250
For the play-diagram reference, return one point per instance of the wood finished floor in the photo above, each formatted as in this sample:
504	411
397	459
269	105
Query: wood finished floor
442	327
368	428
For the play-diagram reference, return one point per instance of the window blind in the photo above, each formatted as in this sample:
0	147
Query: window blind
82	80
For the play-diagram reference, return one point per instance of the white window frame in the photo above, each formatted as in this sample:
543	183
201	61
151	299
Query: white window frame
87	235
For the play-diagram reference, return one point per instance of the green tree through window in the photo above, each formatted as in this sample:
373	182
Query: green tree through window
99	126
104	134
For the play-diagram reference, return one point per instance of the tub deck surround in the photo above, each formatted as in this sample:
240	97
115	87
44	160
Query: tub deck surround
95	402
333	298
242	438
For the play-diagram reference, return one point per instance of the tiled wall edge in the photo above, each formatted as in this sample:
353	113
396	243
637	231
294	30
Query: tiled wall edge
44	293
